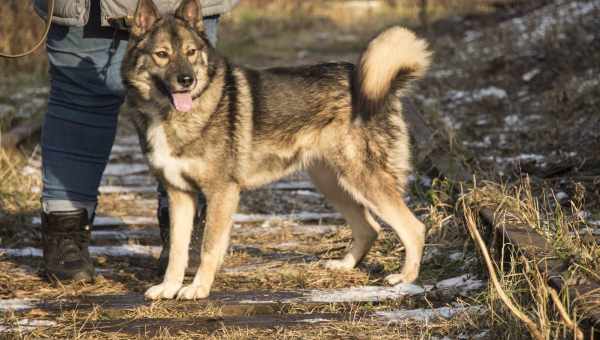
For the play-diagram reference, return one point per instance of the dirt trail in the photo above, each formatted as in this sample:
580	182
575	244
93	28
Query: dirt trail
271	276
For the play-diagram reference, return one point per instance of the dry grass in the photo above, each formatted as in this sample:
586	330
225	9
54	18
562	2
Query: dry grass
16	196
522	277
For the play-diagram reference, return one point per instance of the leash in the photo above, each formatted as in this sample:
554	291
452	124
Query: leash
39	43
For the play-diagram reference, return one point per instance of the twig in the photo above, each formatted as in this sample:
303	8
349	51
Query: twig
531	326
564	315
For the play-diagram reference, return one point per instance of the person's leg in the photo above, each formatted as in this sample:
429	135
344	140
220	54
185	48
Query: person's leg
211	27
80	125
77	136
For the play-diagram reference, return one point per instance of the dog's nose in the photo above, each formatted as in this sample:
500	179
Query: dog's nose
185	80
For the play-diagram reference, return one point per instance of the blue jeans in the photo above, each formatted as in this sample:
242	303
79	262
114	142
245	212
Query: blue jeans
79	128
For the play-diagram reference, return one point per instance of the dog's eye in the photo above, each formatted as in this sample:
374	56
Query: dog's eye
162	54
191	52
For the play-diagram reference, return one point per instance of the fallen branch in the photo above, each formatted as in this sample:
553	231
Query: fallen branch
16	135
564	315
472	226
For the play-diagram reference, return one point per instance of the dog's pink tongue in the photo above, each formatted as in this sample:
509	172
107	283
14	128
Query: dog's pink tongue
182	101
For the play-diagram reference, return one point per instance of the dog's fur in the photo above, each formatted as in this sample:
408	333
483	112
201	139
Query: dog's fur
245	128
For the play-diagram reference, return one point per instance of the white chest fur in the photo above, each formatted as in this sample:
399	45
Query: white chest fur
162	161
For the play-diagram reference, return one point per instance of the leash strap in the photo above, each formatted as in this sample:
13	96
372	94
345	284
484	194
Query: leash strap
39	43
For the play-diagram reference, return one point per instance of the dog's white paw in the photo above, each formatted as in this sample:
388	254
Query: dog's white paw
401	278
193	292
165	290
338	265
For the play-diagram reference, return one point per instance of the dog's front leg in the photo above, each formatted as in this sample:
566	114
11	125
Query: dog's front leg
182	207
222	204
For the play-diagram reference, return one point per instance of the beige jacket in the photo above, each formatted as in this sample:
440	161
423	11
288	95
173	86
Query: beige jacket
77	12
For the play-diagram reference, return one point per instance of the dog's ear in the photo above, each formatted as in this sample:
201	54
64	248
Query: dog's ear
146	14
190	11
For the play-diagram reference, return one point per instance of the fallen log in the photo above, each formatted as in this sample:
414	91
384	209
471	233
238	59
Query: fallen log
437	157
19	133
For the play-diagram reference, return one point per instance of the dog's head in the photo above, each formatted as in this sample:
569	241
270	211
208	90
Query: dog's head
168	57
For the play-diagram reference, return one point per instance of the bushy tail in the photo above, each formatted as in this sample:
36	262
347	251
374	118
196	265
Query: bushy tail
391	61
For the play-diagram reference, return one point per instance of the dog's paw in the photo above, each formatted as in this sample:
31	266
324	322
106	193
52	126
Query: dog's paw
338	265
193	292
401	278
165	290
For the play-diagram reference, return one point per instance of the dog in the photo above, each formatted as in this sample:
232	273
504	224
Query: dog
207	125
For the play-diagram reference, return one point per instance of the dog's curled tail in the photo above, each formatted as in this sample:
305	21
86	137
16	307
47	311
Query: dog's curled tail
390	62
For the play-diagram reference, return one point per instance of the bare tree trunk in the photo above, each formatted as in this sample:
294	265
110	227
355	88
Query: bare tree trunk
423	14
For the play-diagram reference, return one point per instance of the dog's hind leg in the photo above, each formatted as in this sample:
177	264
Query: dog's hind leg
392	209
182	206
222	204
364	228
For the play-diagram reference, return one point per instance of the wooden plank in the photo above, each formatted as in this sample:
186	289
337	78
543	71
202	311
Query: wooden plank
362	294
107	221
154	326
534	246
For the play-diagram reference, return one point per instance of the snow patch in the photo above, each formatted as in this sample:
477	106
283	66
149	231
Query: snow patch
256	302
561	196
366	293
127	234
237	218
456	256
107	221
122	250
456	97
511	120
423	314
545	21
126	250
126	149
128	140
16	304
6	109
307	193
21	252
119	189
120	169
464	283
472	35
526	157
301	216
316	320
27	325
530	75
425	181
295	185
491	91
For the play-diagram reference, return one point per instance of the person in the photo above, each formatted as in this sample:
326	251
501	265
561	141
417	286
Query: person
85	47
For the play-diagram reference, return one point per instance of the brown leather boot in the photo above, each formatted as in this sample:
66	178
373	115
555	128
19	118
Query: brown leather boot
66	237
